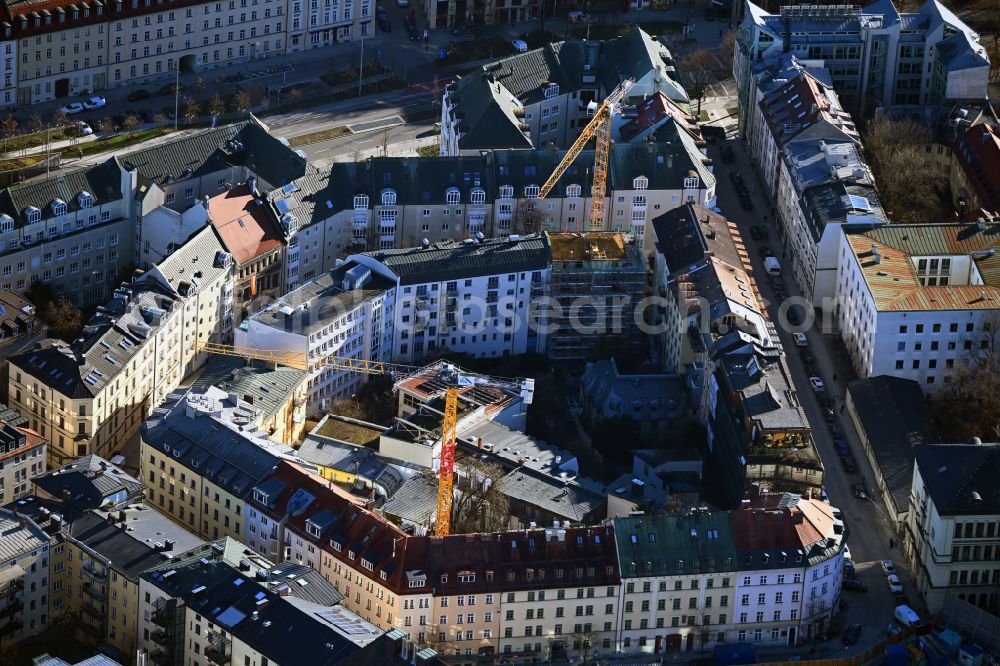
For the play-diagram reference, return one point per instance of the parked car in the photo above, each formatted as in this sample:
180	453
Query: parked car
384	23
849	570
888	567
138	95
817	383
727	154
735	176
95	102
836	430
758	232
859	491
828	415
85	129
841	446
746	204
854	585
379	10
146	116
519	45
895	585
850	466
807	356
402	3
851	634
793	316
800	339
71	108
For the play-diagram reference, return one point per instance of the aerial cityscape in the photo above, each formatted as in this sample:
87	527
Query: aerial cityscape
482	332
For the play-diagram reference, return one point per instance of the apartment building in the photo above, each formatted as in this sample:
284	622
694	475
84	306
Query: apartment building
22	458
542	97
511	588
598	280
717	334
952	536
348	312
471	297
25	574
89	396
63	50
201	454
19	327
256	604
69	232
90	482
975	160
877	56
276	392
915	300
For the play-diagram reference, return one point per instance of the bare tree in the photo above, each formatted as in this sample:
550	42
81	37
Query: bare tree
8	129
385	142
968	405
190	110
481	505
160	118
131	122
698	71
216	106
241	101
105	126
199	85
906	179
727	48
35	123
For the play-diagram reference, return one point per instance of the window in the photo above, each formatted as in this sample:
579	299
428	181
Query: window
452	196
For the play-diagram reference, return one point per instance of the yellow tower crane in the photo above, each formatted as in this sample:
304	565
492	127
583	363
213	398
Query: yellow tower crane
599	128
455	379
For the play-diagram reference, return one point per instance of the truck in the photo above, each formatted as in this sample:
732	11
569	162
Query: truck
772	266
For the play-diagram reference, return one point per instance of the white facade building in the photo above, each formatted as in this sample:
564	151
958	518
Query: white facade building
25	576
913	301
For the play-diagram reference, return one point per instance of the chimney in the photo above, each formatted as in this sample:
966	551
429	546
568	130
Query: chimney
168	545
204	202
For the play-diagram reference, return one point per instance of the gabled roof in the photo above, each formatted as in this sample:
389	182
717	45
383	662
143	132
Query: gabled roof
675	545
200	259
87	483
961	478
247	228
269	387
102	182
960	52
488	114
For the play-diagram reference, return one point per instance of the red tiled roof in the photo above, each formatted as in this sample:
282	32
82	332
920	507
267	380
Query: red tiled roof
32	439
246	228
12	12
765	525
978	153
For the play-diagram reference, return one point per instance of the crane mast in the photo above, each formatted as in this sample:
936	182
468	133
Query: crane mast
599	128
454	378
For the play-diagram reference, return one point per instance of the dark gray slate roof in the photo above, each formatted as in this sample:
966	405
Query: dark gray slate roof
953	472
11	416
448	260
894	415
133	550
102	182
487	114
88	481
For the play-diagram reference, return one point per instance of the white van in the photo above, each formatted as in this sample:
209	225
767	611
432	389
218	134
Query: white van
772	266
906	616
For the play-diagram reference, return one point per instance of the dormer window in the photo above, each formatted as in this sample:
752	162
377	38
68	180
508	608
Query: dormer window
532	191
361	202
32	214
312	529
6	224
336	546
383	575
351	554
452	196
86	200
261	497
691	183
551	91
58	207
642	183
444	579
478	196
388	197
466	577
573	191
506	191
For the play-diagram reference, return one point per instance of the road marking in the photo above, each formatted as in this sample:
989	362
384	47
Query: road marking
382	123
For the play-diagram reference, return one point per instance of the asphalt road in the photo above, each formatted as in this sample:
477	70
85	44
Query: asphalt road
868	520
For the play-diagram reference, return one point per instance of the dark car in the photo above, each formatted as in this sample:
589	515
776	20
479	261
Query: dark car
851	634
758	233
385	24
727	154
146	116
859	491
828	414
854	585
849	571
138	95
171	88
849	465
794	318
807	356
841	447
836	430
736	177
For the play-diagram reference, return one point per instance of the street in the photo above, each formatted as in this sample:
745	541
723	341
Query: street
867	519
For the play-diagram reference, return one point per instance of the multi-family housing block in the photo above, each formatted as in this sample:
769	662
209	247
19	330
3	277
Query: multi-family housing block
545	96
62	49
915	300
91	395
25	573
952	531
22	456
876	55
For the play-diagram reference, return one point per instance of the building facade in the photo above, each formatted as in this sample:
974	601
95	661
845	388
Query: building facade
25	573
22	458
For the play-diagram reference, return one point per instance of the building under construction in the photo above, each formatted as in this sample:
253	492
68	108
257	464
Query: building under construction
597	279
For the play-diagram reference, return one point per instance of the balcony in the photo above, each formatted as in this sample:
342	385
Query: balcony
11	609
164	611
218	651
159	637
159	657
93	611
93	591
12	587
97	572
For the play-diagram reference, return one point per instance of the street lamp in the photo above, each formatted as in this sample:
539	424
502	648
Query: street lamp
361	70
